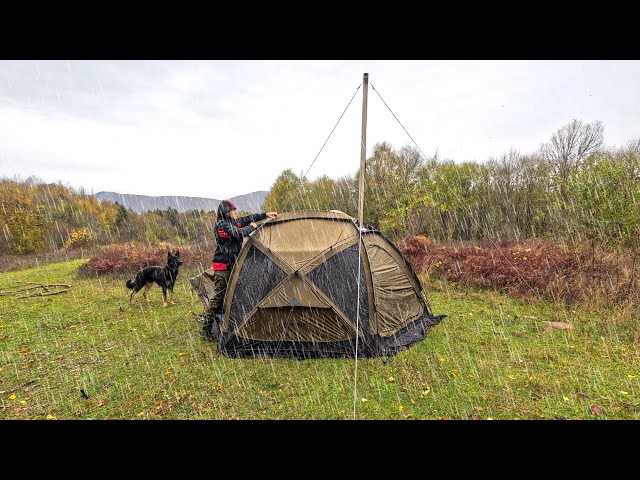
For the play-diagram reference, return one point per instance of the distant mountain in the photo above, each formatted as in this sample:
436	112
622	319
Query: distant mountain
141	203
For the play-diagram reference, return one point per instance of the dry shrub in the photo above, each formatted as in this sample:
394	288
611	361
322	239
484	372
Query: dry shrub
531	268
131	257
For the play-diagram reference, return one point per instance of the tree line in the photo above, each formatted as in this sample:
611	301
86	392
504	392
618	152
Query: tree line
572	188
42	217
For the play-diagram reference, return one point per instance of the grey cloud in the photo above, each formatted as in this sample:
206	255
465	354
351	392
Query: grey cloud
109	90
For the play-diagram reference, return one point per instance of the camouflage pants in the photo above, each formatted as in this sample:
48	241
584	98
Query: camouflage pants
220	281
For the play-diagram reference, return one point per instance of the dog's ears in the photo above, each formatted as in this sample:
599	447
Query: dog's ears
177	253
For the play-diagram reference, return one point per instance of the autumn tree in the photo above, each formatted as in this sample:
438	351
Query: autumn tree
286	193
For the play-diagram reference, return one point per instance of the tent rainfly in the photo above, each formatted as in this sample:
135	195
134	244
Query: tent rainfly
293	292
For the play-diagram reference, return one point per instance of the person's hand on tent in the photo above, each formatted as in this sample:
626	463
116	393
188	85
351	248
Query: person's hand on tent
272	214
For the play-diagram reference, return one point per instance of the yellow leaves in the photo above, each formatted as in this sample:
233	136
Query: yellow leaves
631	377
401	408
426	391
23	402
168	373
391	379
12	396
182	354
218	388
24	350
158	405
623	392
139	414
527	249
51	417
77	237
565	399
364	400
489	418
478	248
442	359
24	367
408	415
479	409
524	258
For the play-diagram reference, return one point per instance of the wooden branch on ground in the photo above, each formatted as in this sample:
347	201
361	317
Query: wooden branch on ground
29	384
47	284
11	292
44	286
42	294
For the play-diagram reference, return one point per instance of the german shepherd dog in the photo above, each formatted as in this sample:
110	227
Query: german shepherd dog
165	277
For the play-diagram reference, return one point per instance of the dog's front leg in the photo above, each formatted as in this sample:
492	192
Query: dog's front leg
164	297
171	297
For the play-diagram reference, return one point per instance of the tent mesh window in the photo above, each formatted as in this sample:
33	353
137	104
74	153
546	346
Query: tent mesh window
334	277
257	277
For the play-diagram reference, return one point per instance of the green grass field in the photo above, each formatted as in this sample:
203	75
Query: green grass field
490	359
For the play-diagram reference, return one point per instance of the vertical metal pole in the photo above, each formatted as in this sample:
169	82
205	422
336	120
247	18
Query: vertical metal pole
363	150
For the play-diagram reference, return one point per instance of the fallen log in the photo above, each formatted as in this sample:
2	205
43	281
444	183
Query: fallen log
43	294
45	286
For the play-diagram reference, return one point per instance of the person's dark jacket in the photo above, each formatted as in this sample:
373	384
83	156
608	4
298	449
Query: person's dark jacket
229	234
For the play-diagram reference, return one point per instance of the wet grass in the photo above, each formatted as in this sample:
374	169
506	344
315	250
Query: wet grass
491	358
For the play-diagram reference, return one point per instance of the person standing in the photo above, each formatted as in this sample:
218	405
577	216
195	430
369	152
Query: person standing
230	230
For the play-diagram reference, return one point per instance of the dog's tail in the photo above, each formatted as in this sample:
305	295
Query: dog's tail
130	284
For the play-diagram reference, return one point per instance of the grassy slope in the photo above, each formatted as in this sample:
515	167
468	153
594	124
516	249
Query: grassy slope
489	359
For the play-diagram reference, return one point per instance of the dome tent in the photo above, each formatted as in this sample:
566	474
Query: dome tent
293	292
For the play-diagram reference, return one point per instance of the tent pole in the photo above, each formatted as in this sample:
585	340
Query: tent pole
363	150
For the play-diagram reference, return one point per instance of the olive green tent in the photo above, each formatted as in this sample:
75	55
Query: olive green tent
311	284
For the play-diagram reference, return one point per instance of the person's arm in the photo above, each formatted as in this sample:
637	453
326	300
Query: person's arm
256	217
231	229
242	221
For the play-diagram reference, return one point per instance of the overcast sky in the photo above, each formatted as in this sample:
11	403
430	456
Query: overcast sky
223	128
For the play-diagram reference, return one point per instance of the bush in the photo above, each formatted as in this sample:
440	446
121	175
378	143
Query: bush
531	268
131	257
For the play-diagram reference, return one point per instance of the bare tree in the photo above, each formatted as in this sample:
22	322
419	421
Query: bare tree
630	156
408	164
571	145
